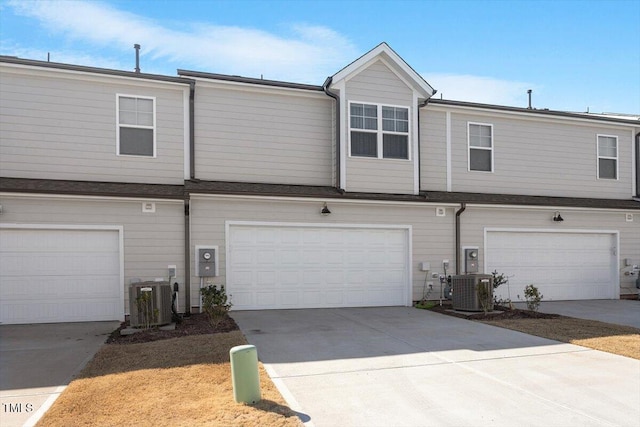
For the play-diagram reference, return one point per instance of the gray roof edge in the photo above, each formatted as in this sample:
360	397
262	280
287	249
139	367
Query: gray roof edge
530	200
179	191
284	190
249	80
93	70
91	188
544	112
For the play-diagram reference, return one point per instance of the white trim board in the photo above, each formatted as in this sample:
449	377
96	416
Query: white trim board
495	112
93	198
96	76
329	200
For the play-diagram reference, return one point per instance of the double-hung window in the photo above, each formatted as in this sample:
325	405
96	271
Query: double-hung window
379	131
607	157
136	126
480	137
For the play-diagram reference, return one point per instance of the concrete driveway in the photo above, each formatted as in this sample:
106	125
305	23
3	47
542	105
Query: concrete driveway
399	366
619	312
39	361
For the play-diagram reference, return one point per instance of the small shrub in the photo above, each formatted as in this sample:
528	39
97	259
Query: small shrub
533	297
501	279
215	303
498	279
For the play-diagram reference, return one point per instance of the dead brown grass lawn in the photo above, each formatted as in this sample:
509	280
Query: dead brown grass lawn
616	339
178	382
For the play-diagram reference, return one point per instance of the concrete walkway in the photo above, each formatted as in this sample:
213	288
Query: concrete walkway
406	367
619	312
39	361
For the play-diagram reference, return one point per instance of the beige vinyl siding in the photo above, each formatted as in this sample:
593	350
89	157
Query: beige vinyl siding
152	241
263	136
535	157
475	219
433	150
53	126
378	84
379	175
432	238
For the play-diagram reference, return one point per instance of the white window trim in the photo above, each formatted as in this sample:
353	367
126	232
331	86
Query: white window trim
469	148
598	157
118	125
380	132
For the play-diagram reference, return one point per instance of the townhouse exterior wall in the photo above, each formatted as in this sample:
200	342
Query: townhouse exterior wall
531	155
61	125
152	241
250	134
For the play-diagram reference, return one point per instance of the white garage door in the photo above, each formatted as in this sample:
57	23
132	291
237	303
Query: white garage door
59	275
562	265
276	267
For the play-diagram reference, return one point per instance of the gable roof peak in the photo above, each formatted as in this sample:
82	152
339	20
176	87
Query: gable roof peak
399	65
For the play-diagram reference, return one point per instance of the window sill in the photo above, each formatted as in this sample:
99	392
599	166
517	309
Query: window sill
386	159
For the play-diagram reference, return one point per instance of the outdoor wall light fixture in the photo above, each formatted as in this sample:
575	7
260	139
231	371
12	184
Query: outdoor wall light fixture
557	217
325	210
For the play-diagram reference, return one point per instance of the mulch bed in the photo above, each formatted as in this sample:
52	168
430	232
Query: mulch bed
499	313
196	324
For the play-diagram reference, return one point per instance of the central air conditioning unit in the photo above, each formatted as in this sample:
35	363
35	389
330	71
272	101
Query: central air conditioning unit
470	290
149	304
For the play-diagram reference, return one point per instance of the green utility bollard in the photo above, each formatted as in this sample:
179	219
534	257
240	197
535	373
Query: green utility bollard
244	374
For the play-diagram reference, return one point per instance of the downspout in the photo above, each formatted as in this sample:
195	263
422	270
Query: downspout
325	88
463	206
187	219
638	165
187	258
192	127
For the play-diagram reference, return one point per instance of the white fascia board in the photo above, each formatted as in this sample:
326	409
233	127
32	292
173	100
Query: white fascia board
328	200
550	230
448	151
494	112
548	208
318	225
91	198
186	149
31	70
17	226
397	62
202	82
414	142
344	153
634	190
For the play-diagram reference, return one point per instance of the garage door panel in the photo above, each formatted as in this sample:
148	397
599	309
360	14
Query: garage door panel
315	266
60	275
563	265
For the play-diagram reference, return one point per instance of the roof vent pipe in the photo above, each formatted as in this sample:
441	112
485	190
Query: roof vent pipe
137	48
529	92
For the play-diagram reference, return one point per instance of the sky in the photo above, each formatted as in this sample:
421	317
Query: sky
574	55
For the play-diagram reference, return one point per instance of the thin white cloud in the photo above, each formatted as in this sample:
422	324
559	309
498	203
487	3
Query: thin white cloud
61	56
479	89
307	54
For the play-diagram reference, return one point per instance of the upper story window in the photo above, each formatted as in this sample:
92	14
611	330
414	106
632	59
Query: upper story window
607	157
480	139
136	126
379	131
